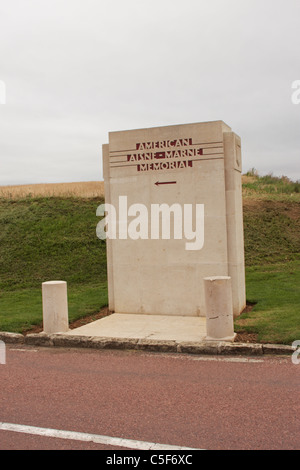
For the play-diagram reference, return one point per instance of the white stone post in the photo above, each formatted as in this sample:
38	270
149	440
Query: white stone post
219	309
55	307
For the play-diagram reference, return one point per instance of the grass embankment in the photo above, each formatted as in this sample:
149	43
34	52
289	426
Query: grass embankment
44	237
272	254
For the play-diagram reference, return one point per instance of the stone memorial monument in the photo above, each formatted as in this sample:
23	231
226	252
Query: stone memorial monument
172	217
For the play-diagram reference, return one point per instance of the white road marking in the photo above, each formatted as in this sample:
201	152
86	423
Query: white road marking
226	359
81	436
24	350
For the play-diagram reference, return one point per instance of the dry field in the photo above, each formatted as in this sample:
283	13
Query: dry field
254	187
87	189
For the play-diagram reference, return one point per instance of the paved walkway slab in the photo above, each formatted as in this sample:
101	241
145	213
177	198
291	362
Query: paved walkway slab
162	327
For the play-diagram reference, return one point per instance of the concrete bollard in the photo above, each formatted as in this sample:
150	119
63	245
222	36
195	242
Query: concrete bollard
219	308
55	307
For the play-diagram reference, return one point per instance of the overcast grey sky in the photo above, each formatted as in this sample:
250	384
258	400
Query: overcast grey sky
75	70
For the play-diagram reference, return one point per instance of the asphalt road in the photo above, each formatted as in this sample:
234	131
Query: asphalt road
181	400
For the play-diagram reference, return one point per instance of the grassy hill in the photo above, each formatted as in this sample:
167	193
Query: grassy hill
48	233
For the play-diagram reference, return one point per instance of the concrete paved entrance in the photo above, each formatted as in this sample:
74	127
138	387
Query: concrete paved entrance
161	327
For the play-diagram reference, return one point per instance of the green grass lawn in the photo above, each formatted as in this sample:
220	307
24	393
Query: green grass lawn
52	238
21	309
274	289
